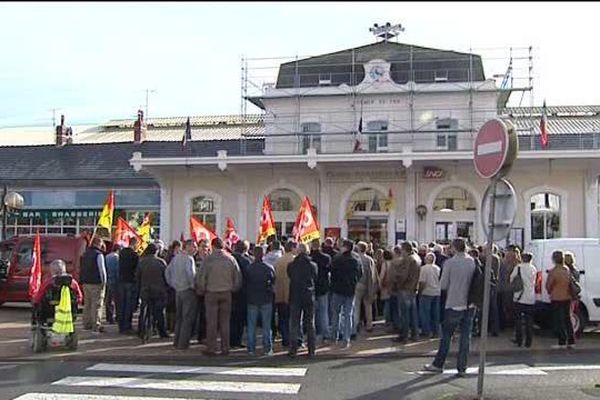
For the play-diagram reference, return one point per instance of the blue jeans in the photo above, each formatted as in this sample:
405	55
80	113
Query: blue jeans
322	316
387	315
266	312
452	320
345	304
394	311
407	306
429	314
127	298
283	322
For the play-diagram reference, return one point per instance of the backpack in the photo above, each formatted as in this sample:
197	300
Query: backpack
516	285
476	287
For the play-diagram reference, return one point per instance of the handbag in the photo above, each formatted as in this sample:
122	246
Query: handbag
574	287
516	285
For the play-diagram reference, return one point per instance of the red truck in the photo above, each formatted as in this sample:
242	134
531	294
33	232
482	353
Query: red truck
16	260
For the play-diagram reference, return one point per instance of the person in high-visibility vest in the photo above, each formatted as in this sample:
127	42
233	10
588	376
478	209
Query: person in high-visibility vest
58	268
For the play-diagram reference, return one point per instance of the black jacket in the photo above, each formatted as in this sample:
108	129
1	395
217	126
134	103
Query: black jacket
128	264
90	273
346	271
260	283
151	278
303	274
243	262
323	261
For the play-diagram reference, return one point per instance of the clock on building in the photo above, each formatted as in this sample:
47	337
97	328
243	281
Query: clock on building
376	72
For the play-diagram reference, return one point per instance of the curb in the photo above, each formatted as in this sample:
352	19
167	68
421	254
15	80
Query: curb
302	357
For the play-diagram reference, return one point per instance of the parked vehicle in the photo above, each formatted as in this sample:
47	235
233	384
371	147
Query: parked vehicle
587	253
16	259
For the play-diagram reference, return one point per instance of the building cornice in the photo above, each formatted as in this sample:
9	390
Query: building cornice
312	159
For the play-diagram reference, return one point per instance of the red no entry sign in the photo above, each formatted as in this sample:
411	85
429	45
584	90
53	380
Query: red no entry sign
495	147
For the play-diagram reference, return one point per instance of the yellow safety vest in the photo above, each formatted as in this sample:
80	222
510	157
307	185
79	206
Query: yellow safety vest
63	318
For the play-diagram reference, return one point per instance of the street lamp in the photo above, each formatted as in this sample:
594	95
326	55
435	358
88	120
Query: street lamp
10	201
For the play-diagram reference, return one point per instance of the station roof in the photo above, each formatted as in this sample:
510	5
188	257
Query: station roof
424	62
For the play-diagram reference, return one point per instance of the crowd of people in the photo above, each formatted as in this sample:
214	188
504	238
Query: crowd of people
322	292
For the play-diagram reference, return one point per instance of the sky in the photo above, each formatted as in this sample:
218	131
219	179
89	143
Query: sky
94	61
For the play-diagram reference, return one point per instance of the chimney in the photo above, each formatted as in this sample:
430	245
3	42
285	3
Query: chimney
60	132
139	128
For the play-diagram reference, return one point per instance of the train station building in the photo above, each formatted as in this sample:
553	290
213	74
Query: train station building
379	137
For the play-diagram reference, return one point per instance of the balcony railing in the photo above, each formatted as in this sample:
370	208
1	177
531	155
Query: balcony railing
398	142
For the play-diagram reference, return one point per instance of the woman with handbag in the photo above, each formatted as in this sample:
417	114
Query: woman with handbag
558	286
524	299
571	263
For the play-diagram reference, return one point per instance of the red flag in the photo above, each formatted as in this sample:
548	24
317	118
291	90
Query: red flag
35	277
124	232
267	222
199	231
308	227
231	237
544	126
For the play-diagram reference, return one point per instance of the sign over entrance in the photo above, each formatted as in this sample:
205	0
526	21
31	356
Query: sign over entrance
495	148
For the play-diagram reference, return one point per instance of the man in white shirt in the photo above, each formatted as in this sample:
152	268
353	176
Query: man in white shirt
524	300
429	297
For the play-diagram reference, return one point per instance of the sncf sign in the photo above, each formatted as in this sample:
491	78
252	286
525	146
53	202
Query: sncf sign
433	173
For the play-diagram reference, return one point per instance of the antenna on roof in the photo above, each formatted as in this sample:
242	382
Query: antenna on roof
387	31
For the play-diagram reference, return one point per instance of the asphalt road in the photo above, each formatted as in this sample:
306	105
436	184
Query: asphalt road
548	377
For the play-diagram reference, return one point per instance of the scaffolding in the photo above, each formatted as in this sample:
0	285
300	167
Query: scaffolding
298	77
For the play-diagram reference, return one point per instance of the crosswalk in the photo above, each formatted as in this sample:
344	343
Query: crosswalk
177	381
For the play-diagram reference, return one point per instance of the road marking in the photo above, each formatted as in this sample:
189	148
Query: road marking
381	337
570	368
181	369
382	350
14	341
489	148
189	385
65	396
515	370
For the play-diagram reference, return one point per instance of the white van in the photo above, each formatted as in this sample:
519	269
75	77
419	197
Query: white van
587	254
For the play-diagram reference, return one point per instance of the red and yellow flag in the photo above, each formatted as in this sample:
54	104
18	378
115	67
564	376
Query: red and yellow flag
35	277
199	231
124	232
307	226
231	237
267	222
106	217
144	231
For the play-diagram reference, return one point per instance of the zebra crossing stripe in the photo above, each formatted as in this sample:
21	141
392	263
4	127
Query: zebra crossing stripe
66	396
180	369
188	385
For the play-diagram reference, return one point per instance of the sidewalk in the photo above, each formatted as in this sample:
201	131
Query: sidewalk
111	346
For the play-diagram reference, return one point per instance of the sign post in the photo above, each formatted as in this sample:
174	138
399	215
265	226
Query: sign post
495	149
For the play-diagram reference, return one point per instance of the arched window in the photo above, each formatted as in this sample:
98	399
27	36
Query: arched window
454	199
368	216
286	204
545	216
454	214
203	208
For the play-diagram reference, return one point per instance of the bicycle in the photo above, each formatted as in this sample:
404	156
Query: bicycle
147	325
